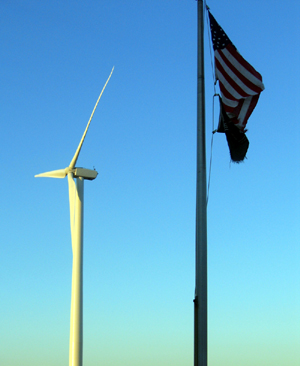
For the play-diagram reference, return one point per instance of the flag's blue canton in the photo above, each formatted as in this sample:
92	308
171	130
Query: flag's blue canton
219	37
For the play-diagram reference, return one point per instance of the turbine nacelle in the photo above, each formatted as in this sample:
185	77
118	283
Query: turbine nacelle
85	173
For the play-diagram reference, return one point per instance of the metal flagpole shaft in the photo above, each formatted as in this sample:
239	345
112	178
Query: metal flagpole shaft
200	302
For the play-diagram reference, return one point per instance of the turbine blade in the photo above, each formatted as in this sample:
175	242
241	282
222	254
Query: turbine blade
75	157
61	173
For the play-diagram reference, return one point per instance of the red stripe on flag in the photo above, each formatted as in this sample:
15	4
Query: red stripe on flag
251	107
227	95
239	75
230	81
240	59
238	108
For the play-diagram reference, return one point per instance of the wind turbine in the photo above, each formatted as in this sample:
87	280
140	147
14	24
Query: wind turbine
76	221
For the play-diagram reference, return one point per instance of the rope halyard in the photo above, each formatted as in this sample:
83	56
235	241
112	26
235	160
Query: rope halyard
213	104
211	145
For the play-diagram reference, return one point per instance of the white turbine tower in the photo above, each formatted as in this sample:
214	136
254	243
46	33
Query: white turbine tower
76	220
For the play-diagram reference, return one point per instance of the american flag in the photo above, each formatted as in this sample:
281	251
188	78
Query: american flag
240	84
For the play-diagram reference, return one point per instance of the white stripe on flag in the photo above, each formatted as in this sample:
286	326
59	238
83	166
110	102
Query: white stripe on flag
241	68
230	89
229	102
243	111
233	76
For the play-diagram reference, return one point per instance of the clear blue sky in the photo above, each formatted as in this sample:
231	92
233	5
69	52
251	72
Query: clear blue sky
139	229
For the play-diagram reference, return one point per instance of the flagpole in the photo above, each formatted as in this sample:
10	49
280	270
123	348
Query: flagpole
200	301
